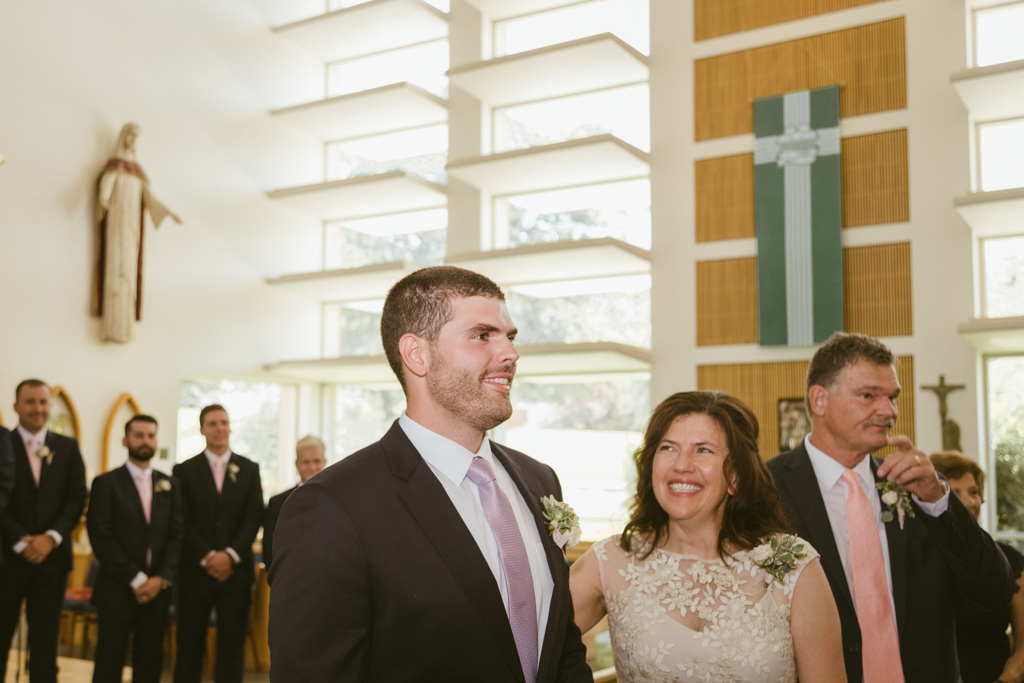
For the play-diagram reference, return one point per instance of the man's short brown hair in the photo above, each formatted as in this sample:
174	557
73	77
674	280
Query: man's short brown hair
840	350
34	383
420	304
209	409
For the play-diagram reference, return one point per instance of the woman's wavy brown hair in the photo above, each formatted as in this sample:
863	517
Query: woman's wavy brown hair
752	510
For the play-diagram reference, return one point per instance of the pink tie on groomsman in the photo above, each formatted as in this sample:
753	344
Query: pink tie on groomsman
34	461
218	473
144	483
880	642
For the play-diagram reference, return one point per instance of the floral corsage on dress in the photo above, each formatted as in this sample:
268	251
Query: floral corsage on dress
777	557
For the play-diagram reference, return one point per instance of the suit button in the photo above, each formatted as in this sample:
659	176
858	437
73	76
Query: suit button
854	648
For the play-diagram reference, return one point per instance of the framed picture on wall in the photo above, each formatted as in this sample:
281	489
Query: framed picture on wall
794	422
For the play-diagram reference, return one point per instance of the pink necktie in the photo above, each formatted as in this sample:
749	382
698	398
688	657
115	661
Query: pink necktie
880	642
218	473
522	606
145	493
146	496
34	461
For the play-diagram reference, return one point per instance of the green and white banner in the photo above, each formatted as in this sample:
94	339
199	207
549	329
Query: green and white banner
797	211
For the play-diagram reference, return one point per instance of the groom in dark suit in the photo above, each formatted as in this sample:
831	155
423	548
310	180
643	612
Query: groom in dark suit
898	579
425	556
222	500
135	526
45	507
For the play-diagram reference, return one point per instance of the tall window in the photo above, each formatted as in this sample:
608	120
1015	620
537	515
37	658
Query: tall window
1001	151
422	150
587	430
1006	444
1004	276
998	34
623	112
627	19
363	414
262	423
424	65
417	236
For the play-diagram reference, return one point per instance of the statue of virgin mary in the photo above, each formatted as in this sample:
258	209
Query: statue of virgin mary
122	200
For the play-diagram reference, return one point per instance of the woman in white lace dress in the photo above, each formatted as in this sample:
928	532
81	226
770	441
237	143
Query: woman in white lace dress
704	585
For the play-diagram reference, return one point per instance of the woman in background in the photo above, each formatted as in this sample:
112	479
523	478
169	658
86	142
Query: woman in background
982	646
704	584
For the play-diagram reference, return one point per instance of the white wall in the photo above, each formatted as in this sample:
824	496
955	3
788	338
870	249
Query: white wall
199	78
939	171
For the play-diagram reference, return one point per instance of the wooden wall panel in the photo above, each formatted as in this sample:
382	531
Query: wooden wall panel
761	385
877	297
713	18
725	197
867	62
726	313
875	187
875	179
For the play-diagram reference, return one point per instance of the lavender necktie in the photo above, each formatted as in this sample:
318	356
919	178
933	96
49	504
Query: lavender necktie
522	606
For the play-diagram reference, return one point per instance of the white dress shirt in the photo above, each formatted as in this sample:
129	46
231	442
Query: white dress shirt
834	490
134	470
212	458
40	438
450	463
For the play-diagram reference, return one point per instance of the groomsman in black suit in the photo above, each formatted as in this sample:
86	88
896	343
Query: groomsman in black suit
6	473
898	579
45	507
309	460
222	497
136	527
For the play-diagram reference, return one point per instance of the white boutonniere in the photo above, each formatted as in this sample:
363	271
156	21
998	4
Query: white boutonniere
162	485
564	524
44	453
778	558
232	471
895	498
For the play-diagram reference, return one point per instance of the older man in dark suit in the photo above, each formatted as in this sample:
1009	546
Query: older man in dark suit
309	461
135	526
426	556
901	554
222	498
45	506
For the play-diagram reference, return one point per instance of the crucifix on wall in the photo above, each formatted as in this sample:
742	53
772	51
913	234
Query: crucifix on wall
950	429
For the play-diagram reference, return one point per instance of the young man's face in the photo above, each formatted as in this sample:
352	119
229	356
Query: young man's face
473	361
33	407
141	441
217	429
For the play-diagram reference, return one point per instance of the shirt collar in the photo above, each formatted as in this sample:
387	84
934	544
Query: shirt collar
135	470
828	470
211	458
26	435
449	458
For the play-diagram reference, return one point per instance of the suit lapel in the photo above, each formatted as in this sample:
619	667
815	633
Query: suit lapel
434	512
208	482
556	559
801	484
896	539
22	468
47	464
131	492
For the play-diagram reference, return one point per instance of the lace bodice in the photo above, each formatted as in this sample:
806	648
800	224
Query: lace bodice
682	618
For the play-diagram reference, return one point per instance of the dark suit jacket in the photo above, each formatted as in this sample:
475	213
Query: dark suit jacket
57	504
6	467
215	521
270	523
121	536
377	578
938	564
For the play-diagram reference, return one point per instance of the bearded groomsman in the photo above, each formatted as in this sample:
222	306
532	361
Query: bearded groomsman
901	554
426	556
222	497
136	527
45	507
309	460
